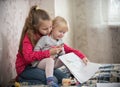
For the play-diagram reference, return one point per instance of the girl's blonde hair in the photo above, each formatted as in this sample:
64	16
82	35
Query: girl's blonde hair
60	22
32	24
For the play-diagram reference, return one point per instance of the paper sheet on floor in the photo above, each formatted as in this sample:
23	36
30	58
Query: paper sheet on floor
76	66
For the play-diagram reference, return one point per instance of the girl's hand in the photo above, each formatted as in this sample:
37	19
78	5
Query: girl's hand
55	50
85	60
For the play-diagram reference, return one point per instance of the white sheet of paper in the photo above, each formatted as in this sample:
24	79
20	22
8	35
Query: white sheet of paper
76	66
108	84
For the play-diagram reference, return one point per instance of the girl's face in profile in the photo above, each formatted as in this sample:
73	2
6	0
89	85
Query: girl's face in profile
45	27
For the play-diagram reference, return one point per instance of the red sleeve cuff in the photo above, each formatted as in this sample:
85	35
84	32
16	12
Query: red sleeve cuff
46	54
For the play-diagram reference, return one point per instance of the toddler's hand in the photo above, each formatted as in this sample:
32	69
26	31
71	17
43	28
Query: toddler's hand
85	60
55	50
60	46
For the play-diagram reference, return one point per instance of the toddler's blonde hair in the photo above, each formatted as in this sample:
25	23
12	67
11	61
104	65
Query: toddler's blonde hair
60	22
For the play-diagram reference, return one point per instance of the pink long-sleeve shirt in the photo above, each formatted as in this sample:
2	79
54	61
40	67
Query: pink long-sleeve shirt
30	56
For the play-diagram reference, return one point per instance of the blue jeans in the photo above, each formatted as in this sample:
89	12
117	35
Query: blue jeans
34	75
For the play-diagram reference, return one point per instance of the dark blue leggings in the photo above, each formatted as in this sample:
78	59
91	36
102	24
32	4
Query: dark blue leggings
34	75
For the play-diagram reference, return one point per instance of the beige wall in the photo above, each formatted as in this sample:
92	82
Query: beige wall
12	18
99	42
